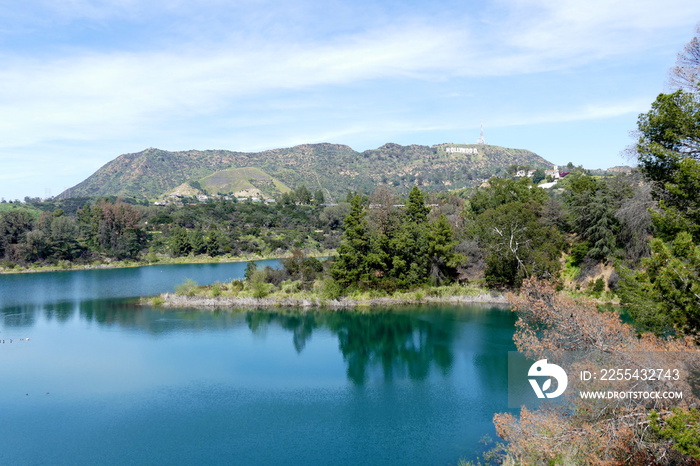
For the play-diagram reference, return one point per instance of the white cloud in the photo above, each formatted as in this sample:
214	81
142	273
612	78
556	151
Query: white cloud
542	35
98	95
587	112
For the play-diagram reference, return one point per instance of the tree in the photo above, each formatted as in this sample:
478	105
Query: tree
503	191
518	244
352	265
197	243
441	250
416	210
634	216
591	214
250	270
113	228
686	74
319	198
538	176
14	227
668	150
665	296
179	242
64	235
302	195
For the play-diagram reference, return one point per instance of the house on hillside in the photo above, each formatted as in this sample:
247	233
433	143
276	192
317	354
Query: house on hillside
554	173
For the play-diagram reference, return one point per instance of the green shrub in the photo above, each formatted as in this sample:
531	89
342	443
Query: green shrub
157	300
291	286
215	290
187	288
578	252
258	287
8	264
237	286
597	287
331	289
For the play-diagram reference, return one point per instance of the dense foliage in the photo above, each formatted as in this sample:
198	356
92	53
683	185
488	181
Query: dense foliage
400	248
106	230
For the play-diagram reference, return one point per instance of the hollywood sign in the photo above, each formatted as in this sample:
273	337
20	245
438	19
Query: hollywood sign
462	150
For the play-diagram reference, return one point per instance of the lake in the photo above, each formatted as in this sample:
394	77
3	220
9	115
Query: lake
102	380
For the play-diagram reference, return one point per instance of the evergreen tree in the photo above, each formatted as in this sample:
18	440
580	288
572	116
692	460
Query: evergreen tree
666	295
668	150
352	265
441	250
180	242
416	210
196	242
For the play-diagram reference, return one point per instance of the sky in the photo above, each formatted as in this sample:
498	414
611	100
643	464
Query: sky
83	81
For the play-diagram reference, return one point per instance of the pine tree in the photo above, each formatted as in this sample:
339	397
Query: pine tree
416	210
351	267
441	250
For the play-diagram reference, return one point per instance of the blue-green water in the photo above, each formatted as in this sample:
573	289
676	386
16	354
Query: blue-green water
104	381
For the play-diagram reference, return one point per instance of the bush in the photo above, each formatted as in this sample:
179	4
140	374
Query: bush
578	252
157	301
258	287
187	288
291	286
215	290
331	289
8	264
597	287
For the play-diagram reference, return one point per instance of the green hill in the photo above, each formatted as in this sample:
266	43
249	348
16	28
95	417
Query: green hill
333	168
248	181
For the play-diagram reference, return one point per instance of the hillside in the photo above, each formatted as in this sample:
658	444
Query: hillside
248	181
333	168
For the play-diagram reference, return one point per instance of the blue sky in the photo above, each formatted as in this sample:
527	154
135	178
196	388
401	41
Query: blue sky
83	81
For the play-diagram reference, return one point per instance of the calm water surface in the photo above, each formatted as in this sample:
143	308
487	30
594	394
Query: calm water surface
104	381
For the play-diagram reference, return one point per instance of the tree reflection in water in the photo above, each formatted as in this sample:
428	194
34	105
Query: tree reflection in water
389	343
396	342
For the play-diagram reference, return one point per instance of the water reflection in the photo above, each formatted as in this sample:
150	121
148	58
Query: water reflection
397	343
389	344
61	312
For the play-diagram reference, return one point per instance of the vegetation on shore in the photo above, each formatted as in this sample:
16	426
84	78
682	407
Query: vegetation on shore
582	430
660	286
84	233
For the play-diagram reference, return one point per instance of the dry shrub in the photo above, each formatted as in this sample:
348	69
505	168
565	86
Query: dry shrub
588	431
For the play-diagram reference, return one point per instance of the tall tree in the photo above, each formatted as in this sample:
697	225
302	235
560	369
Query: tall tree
668	150
14	227
665	296
416	210
441	250
352	265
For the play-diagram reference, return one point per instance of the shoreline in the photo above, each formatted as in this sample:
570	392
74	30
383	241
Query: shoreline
172	300
128	265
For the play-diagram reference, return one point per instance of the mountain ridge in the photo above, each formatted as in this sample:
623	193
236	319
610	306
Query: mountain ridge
333	168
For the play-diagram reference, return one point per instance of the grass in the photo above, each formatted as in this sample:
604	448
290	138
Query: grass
238	179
